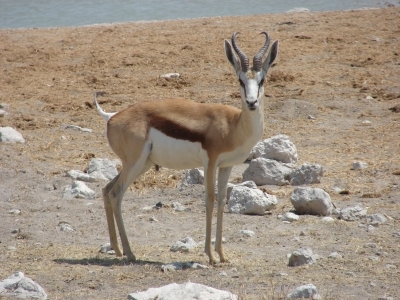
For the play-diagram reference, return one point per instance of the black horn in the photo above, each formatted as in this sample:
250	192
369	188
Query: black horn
257	60
244	61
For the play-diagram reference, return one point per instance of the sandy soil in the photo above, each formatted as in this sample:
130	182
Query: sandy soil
342	68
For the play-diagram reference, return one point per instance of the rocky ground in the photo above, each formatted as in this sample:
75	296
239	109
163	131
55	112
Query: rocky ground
333	91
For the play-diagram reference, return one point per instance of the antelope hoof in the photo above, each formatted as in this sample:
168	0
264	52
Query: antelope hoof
131	257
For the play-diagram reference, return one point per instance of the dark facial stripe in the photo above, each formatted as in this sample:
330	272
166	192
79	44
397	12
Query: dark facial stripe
176	131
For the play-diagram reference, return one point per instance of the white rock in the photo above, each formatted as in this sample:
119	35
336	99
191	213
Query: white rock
184	245
327	219
278	148
308	291
248	233
170	75
198	266
353	213
313	201
244	200
105	248
193	176
78	189
376	219
79	175
302	256
103	169
366	123
290	217
183	291
15	211
65	227
68	126
176	206
257	151
3	113
250	184
265	171
21	287
306	174
10	135
4	106
335	255
359	165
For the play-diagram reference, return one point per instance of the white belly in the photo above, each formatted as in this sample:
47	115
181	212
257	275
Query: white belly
175	154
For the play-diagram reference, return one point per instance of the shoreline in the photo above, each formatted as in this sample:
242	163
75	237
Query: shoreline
97	25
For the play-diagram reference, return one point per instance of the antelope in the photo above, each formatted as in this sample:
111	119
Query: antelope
182	134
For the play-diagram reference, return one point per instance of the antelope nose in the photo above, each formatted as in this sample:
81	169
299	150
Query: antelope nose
251	104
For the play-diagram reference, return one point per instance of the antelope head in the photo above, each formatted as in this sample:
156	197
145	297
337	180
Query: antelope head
251	79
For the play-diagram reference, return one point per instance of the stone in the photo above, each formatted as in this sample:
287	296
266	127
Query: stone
359	165
278	148
193	176
306	174
302	256
248	233
21	287
376	219
244	200
308	291
78	189
183	291
250	184
106	248
290	217
103	169
82	176
65	227
170	75
353	213
184	245
335	255
176	206
265	171
14	211
75	127
10	135
327	219
313	201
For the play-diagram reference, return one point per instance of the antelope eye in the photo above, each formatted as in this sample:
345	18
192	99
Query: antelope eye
261	82
241	83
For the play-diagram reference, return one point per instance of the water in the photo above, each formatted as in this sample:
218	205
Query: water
57	13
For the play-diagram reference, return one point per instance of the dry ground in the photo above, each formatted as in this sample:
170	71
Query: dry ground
342	68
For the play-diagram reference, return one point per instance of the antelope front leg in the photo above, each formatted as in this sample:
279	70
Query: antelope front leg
223	177
209	185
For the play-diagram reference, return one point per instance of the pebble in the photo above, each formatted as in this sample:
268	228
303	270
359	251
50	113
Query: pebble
248	233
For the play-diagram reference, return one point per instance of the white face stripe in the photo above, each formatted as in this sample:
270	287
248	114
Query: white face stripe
251	84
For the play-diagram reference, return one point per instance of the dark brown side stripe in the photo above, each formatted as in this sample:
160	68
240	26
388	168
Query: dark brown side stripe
176	131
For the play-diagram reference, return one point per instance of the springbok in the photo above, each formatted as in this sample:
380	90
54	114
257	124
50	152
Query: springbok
182	134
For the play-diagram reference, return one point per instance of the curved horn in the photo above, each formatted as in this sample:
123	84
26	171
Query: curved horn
244	61
257	60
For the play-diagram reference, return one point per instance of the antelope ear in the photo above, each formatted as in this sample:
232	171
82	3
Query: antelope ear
232	57
273	53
